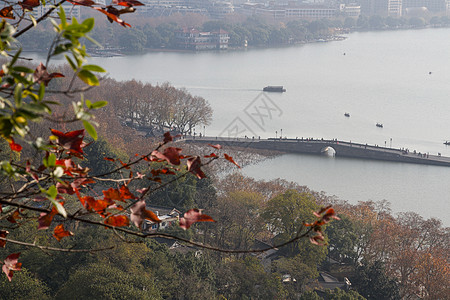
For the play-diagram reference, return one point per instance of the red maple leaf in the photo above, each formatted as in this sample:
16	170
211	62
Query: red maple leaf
72	140
82	2
170	154
29	4
128	3
194	164
11	264
3	234
139	213
167	137
192	216
41	75
14	146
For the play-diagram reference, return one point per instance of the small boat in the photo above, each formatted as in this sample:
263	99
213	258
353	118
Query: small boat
447	143
379	125
274	88
347	115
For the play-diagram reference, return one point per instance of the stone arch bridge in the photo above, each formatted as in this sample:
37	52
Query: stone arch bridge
319	146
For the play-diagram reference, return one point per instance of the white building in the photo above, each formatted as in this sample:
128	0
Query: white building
69	9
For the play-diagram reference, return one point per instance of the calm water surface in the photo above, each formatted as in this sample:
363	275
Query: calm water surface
375	76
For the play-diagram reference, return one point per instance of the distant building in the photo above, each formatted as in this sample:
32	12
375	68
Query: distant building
69	9
350	10
434	6
192	39
168	217
397	8
291	11
220	9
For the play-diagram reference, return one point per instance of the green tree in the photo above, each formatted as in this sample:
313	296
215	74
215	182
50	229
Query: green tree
376	22
96	153
417	22
154	39
103	281
246	279
132	39
299	272
349	22
373	283
167	33
24	286
285	215
362	22
343	238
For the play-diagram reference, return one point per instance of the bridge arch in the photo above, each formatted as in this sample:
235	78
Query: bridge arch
328	151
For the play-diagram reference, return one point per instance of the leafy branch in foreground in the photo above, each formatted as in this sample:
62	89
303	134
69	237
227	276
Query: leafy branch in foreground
44	183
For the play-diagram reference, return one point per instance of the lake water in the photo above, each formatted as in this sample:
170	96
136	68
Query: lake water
375	76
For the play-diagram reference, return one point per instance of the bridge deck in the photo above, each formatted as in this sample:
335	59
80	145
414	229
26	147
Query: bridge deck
318	146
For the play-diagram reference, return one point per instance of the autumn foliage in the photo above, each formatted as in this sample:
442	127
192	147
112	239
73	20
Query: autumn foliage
47	184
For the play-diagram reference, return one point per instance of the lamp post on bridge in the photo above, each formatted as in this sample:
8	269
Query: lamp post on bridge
281	133
390	144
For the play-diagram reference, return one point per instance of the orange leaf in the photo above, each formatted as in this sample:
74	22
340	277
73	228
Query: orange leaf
127	3
112	17
98	206
112	194
118	221
125	193
59	232
7	13
14	216
217	146
230	159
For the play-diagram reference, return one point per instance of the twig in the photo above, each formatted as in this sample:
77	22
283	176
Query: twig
54	248
43	17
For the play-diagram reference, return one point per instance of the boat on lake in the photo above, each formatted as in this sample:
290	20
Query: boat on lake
447	143
274	88
379	125
347	115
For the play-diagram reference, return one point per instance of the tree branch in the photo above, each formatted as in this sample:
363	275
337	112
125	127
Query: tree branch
43	17
53	248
